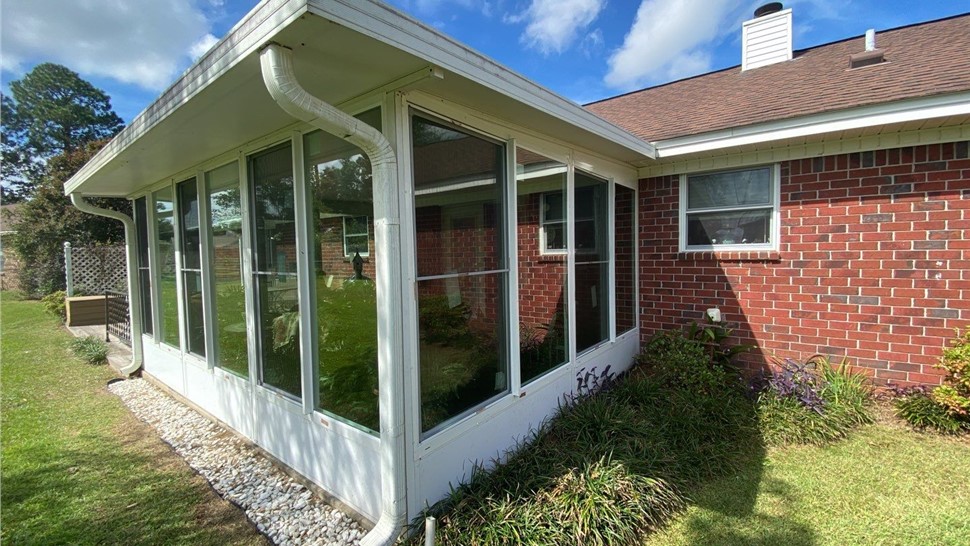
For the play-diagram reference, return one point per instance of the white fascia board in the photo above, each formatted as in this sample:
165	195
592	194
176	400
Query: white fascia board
264	21
856	118
388	25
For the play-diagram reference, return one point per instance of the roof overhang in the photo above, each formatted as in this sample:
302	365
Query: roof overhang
928	120
342	50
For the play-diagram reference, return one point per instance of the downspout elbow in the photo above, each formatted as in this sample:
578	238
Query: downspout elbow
134	301
277	69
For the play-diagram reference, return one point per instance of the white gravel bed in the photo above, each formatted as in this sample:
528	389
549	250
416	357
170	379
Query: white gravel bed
286	511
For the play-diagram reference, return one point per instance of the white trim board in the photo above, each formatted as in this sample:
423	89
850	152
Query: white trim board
829	122
734	158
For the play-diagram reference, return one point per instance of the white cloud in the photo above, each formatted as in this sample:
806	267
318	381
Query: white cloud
141	43
553	25
200	47
666	41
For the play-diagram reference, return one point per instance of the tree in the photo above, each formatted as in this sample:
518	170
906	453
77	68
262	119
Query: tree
53	111
49	219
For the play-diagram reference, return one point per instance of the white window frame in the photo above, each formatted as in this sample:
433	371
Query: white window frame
543	251
366	235
775	203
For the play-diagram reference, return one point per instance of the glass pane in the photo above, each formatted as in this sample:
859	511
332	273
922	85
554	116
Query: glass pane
194	324
462	357
458	196
459	201
752	187
339	181
748	227
189	224
225	240
279	326
624	244
144	273
543	338
274	249
167	294
592	261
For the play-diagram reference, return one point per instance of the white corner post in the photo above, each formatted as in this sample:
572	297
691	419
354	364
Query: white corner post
134	290
68	269
277	69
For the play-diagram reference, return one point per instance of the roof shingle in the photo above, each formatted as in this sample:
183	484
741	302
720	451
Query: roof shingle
921	60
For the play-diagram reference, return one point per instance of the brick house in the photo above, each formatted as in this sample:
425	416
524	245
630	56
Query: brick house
867	153
512	240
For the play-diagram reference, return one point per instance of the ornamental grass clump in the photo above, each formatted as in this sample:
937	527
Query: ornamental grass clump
90	349
812	403
946	408
613	464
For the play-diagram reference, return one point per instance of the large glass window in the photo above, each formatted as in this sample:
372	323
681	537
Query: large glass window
592	261
541	210
144	272
274	269
624	255
225	244
341	190
459	205
191	252
729	209
167	293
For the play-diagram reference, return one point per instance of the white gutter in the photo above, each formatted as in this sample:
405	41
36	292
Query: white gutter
134	289
280	80
957	104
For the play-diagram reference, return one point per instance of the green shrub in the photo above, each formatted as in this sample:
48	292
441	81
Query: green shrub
923	412
611	465
91	349
56	304
954	394
946	408
812	402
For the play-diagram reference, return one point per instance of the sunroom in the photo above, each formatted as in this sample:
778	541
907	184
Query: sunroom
377	254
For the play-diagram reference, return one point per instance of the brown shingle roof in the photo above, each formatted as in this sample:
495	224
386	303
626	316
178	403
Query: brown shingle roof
922	60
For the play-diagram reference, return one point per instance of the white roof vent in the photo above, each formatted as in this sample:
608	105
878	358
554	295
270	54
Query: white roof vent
766	39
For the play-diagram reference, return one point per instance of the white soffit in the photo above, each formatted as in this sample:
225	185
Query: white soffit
343	49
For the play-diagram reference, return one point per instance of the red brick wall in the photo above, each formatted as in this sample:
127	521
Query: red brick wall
331	260
874	263
542	278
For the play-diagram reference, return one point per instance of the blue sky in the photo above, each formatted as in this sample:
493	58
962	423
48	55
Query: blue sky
584	50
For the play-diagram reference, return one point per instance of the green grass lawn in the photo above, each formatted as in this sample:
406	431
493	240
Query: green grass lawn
77	467
883	485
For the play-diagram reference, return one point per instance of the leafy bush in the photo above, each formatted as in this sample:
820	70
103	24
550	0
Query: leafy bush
611	465
812	402
954	394
917	408
56	304
946	408
715	338
91	349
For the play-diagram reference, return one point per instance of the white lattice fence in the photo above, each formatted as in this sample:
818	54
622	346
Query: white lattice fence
94	269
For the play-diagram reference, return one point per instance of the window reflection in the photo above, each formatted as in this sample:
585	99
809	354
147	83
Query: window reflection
541	210
625	258
274	249
459	203
344	252
592	261
225	242
167	294
191	252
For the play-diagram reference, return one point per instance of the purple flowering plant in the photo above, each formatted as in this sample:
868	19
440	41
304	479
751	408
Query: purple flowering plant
798	380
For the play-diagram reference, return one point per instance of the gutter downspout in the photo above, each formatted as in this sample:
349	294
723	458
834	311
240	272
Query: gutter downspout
277	68
134	290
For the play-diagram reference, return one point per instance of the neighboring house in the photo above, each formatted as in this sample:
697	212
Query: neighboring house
822	203
9	260
384	292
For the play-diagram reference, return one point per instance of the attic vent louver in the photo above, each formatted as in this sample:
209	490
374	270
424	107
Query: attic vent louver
767	38
872	55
